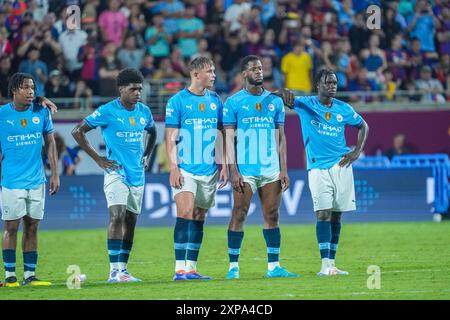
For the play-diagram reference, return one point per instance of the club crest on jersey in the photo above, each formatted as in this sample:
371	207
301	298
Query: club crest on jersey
23	122
258	106
132	121
339	118
201	107
36	120
213	106
328	116
271	107
142	120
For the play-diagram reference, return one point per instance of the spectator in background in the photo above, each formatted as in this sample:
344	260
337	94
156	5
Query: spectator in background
277	21
268	10
56	86
269	48
71	41
423	25
297	69
399	146
166	72
345	15
233	15
130	56
190	31
358	34
443	73
252	30
148	67
48	47
178	63
221	83
172	11
432	89
443	32
68	156
374	59
37	68
232	51
362	84
5	44
136	19
273	79
202	50
391	27
113	23
109	70
397	59
5	74
89	55
89	15
158	40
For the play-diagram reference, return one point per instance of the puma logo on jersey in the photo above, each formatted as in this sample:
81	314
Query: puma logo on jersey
246	107
189	106
121	120
11	122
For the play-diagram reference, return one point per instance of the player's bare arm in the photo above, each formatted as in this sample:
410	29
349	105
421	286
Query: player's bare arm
353	155
237	180
53	160
287	96
176	178
282	153
46	103
79	134
149	147
223	174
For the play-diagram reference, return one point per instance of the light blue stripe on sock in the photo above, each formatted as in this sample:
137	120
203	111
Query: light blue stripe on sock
325	245
30	265
9	265
193	246
273	250
113	252
333	246
234	251
124	251
180	246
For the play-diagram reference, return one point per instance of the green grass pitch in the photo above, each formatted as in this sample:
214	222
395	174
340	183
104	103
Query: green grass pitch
414	259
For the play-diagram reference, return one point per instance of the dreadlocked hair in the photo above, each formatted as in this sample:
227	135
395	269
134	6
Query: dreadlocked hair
325	72
16	82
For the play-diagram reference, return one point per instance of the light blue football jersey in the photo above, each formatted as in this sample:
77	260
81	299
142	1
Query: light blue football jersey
323	130
255	118
123	133
198	117
21	141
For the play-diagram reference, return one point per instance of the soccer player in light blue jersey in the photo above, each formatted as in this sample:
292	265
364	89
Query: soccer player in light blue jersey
193	118
257	163
24	125
123	123
323	120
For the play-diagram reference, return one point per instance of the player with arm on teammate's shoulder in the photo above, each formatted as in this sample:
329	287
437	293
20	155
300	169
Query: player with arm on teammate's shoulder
124	122
193	121
257	163
24	125
323	120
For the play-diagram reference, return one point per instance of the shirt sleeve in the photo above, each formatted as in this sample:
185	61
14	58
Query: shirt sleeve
48	122
229	117
301	102
279	114
98	118
173	115
150	122
354	118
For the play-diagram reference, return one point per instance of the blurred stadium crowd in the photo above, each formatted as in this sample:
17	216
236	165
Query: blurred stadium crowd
295	38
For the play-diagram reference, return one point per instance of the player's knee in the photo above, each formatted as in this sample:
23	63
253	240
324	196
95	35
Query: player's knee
116	220
11	230
272	217
336	217
323	215
239	214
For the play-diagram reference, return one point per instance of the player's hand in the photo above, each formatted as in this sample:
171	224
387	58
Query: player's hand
223	178
238	182
349	158
108	165
176	178
46	103
145	162
284	179
287	96
54	184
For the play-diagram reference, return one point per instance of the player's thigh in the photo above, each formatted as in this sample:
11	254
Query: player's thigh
185	196
321	188
241	201
14	203
206	191
343	179
36	202
116	191
270	196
